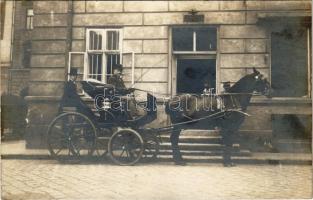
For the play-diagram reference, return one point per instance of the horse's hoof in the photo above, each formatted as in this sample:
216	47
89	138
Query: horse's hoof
180	162
230	164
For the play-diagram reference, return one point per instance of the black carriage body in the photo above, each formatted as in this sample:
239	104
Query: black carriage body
111	101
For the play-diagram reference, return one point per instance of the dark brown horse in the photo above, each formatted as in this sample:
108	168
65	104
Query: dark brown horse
228	111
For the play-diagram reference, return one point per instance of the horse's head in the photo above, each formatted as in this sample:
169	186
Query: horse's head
261	84
254	82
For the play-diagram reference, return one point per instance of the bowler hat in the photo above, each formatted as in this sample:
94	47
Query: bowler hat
73	71
118	67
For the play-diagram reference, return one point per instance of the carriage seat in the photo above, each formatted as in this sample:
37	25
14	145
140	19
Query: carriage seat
93	88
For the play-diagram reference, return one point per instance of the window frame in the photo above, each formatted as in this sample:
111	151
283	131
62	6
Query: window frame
103	51
175	55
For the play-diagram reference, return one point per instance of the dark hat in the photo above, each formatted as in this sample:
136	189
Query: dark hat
73	71
118	67
226	84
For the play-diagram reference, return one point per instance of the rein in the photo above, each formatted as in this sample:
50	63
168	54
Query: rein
223	94
215	115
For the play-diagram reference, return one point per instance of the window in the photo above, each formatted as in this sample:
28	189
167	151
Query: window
104	50
194	50
29	19
292	126
194	39
290	60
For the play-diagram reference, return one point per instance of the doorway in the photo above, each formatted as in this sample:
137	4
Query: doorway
193	73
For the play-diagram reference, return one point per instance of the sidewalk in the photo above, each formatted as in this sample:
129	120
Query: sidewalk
17	150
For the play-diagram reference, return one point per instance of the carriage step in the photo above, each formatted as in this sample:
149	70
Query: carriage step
195	139
198	133
206	153
195	146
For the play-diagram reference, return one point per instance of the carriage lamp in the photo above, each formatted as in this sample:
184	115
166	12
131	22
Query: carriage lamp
106	104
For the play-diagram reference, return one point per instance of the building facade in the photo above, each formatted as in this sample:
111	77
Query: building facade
162	41
16	45
7	10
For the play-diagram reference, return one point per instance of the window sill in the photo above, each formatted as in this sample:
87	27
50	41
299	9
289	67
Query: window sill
194	52
281	100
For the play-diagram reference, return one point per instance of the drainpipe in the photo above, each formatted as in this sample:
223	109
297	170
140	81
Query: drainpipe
69	34
9	80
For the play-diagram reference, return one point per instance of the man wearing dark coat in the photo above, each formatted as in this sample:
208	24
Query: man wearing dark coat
117	81
70	97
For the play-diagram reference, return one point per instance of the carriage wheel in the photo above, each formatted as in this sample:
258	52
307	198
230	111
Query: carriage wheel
151	147
126	147
71	135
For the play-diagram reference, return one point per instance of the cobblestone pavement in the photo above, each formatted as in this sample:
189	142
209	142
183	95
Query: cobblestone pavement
47	179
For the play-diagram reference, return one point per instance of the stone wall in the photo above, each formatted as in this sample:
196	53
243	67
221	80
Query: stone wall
49	48
4	79
18	74
19	79
21	34
48	67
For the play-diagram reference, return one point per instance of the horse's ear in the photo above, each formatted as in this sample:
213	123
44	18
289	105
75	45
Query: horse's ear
255	71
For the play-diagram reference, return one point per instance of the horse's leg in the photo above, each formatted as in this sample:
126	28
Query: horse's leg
227	137
175	148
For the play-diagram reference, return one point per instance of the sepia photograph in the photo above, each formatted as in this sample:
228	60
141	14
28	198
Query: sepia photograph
156	100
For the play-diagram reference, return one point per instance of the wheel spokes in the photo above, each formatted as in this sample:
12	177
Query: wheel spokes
72	133
126	147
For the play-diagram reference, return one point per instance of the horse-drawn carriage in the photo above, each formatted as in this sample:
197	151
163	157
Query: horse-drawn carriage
111	129
80	133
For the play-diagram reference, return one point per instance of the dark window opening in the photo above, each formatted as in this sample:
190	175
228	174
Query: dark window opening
194	39
95	41
192	74
290	61
95	66
292	132
205	39
112	60
182	39
112	40
292	126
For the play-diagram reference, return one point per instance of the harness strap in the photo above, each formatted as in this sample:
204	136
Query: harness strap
215	115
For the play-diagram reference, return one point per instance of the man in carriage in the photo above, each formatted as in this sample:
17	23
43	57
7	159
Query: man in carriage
70	96
117	81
